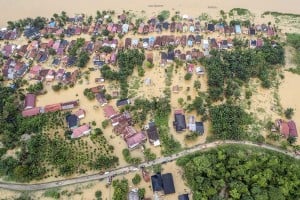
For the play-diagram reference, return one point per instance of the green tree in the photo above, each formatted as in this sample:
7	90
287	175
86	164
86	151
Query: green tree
289	112
136	179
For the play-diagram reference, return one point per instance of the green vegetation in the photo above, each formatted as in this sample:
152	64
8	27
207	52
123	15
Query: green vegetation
239	11
105	123
129	159
136	179
293	40
52	193
289	112
163	15
120	189
89	94
159	109
127	60
57	87
98	195
44	153
238	66
73	50
149	155
141	193
278	14
35	88
83	59
239	172
229	122
188	76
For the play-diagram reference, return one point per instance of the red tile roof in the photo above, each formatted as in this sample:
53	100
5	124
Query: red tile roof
135	140
30	100
31	112
80	113
109	111
292	128
52	107
81	131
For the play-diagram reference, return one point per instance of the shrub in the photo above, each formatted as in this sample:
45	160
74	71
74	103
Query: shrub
188	76
136	179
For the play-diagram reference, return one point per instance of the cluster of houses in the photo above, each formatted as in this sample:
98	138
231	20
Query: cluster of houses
73	124
122	125
286	129
180	124
6	34
30	108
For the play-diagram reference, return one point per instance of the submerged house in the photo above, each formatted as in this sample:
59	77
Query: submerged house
72	121
152	133
179	122
163	182
29	102
80	131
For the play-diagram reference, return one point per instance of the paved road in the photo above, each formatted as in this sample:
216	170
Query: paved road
128	169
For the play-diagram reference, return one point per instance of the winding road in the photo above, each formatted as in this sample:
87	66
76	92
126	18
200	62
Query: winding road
128	169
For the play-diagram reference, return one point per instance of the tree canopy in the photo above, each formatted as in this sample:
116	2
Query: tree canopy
239	172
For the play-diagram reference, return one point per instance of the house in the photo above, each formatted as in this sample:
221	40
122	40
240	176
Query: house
60	73
80	131
124	130
190	68
52	108
252	31
292	129
191	124
183	197
199	128
50	75
179	123
100	97
152	133
97	89
133	195
109	111
237	29
135	140
80	113
124	117
163	182
175	88
168	183
199	70
211	27
252	44
205	44
123	102
72	121
29	102
31	112
35	71
69	105
283	127
157	183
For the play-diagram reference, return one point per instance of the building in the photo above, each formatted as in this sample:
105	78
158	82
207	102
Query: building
81	131
69	105
163	183
80	113
72	121
31	112
183	197
29	102
133	195
179	123
135	140
123	102
152	133
109	112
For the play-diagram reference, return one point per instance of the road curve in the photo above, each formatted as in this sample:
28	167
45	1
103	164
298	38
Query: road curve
128	169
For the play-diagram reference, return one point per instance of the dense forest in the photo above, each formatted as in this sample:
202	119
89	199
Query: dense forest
239	172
